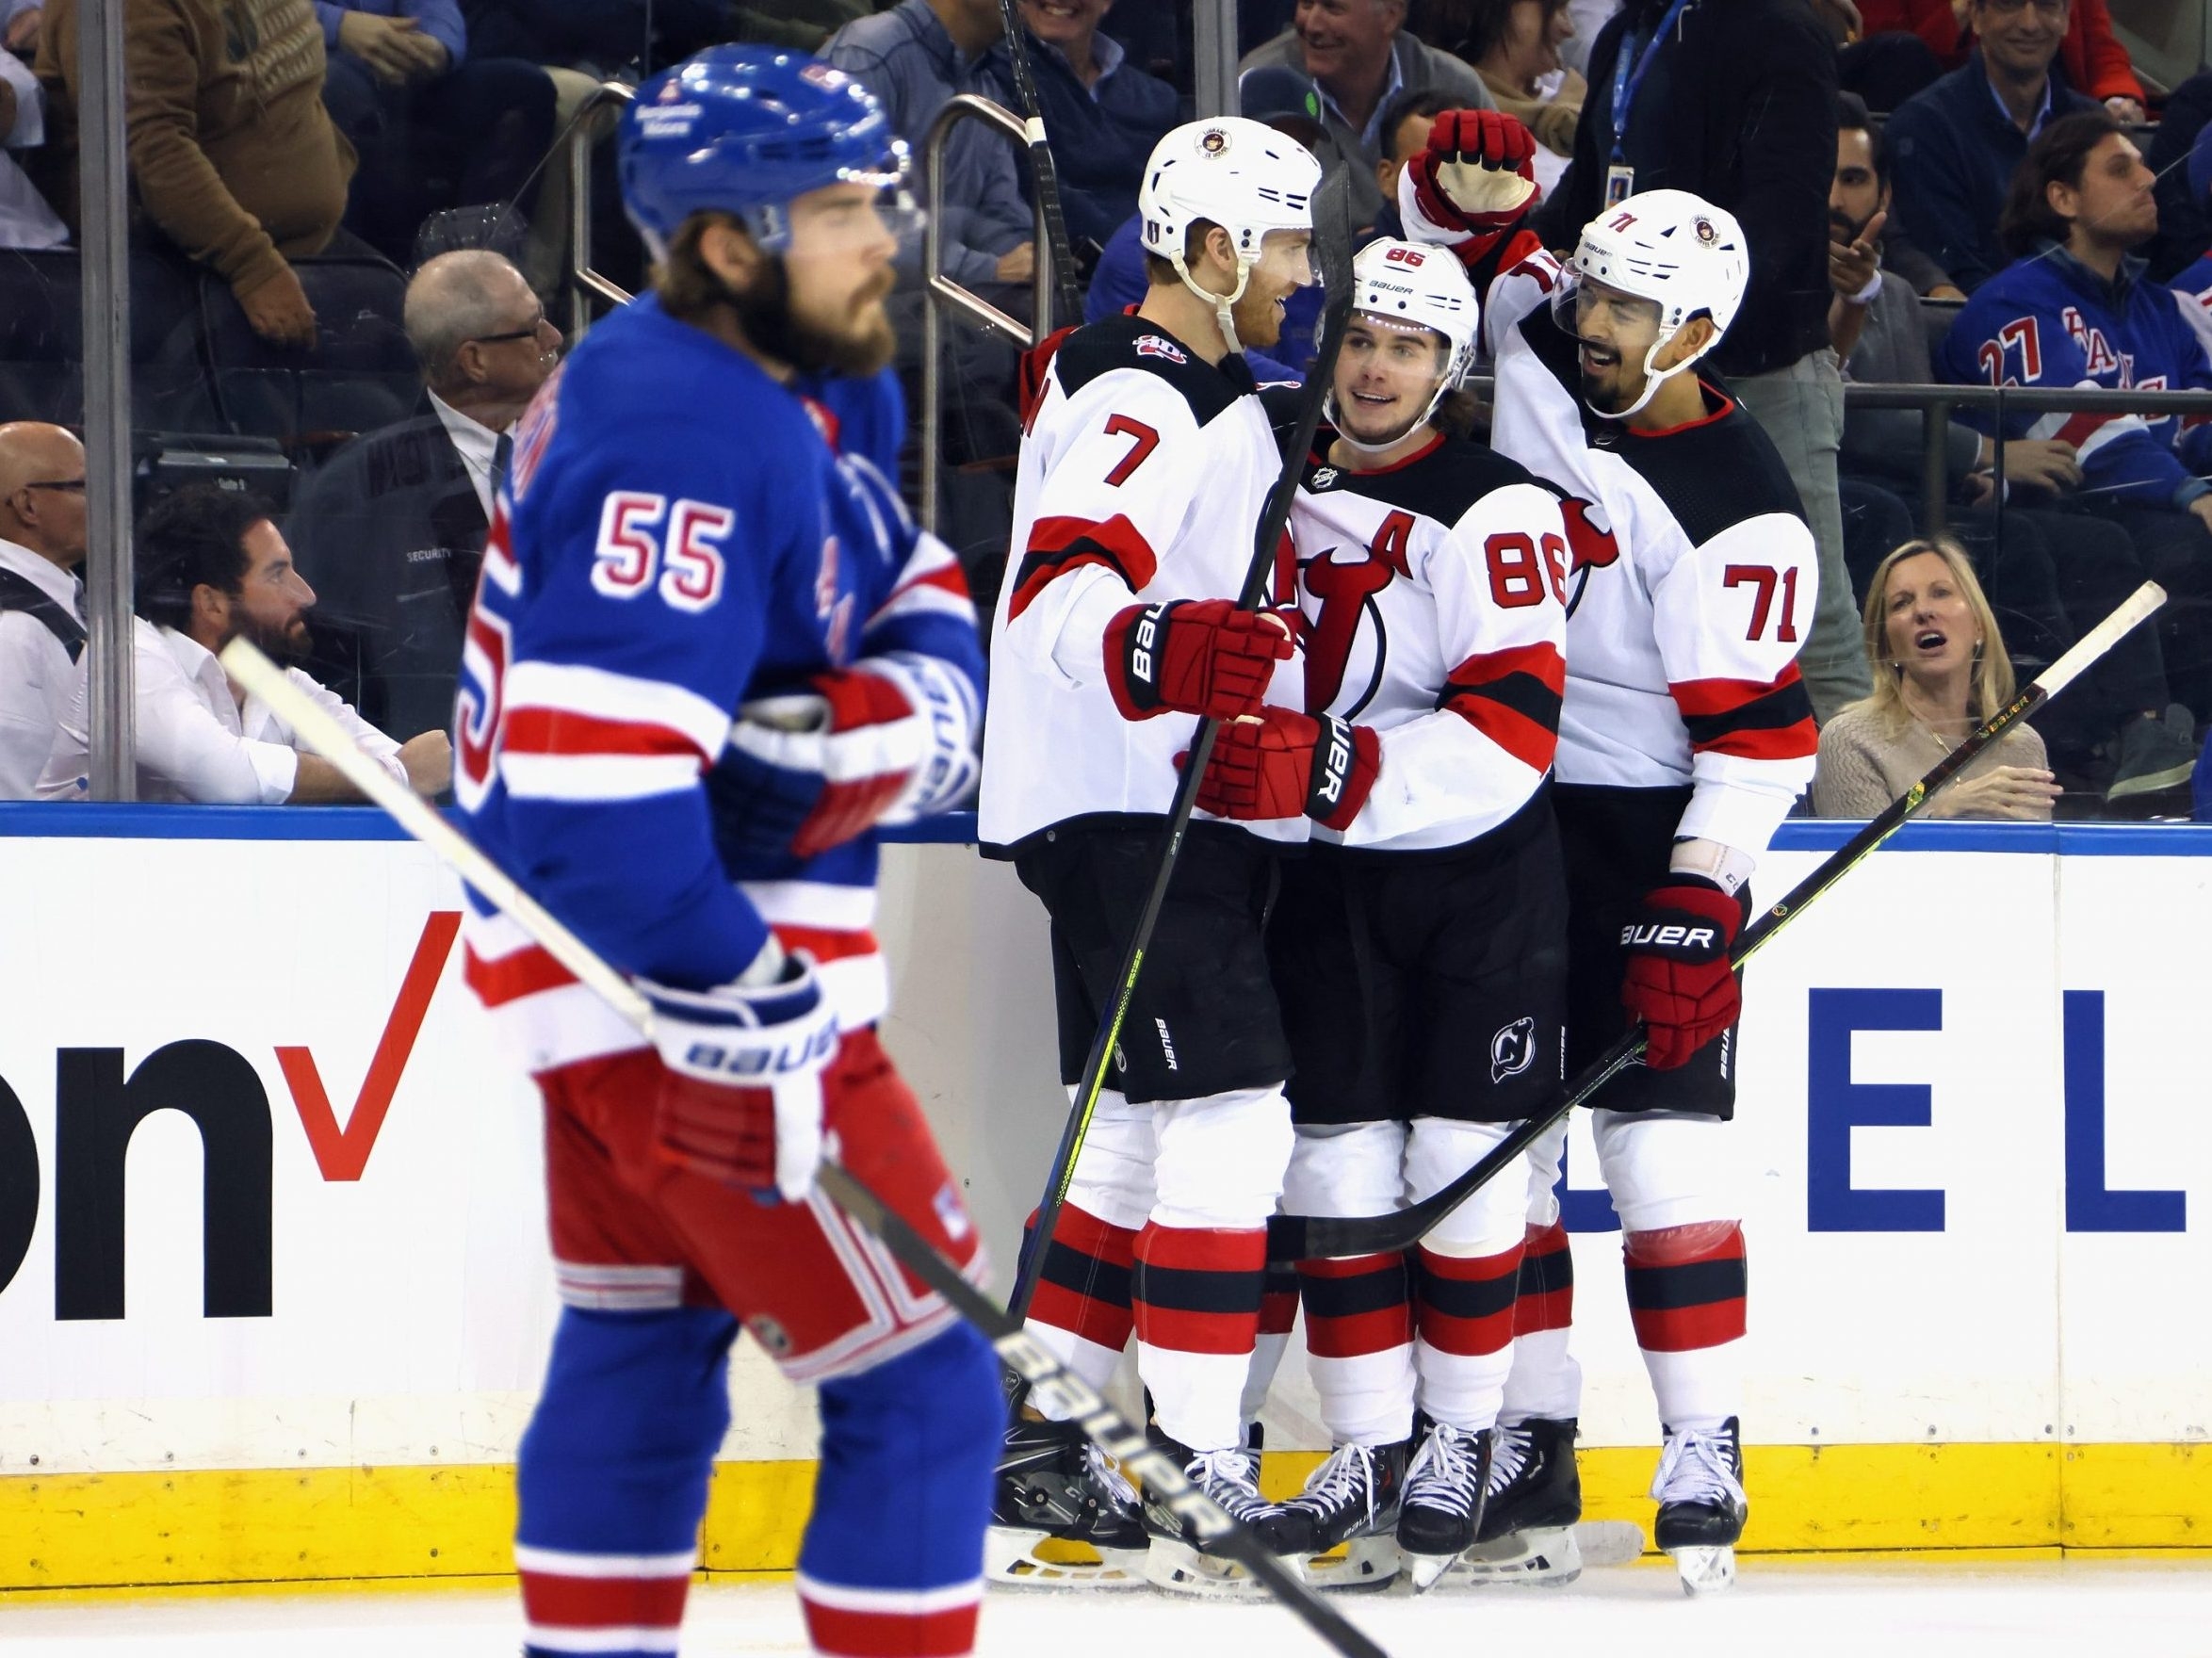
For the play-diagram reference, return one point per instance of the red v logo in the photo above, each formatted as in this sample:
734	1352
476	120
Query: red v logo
342	1153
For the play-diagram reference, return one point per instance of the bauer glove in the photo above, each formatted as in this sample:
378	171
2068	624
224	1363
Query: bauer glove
1192	657
1476	177
885	741
1284	764
1678	979
740	1091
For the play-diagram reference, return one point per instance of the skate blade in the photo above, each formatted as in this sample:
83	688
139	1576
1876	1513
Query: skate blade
1364	1563
1706	1569
1424	1570
1039	1560
1180	1569
1548	1556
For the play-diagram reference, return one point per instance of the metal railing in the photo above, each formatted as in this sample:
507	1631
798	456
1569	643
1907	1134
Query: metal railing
584	283
939	290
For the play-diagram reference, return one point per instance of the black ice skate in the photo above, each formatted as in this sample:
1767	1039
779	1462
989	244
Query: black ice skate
1350	1502
1529	1513
1702	1505
1178	1560
1061	1517
1442	1508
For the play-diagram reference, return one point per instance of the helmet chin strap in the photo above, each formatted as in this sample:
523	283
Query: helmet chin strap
1223	306
1359	446
1653	379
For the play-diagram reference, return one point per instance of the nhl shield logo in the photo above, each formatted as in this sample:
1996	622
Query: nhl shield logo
1513	1050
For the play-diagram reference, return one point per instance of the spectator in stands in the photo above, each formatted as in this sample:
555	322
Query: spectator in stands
2091	55
231	152
391	531
1956	147
2185	178
2074	310
1406	125
1938	669
1360	57
41	610
435	127
211	568
1103	113
26	220
2192	285
1734	99
2051	575
915	59
1515	46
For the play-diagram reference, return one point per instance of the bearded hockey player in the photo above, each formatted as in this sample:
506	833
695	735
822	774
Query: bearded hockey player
1419	949
1143	471
709	653
1684	735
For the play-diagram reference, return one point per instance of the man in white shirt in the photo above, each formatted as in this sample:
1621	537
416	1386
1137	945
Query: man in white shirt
42	614
391	530
212	567
26	220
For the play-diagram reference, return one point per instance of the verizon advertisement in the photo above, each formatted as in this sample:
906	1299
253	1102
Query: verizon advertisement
269	1198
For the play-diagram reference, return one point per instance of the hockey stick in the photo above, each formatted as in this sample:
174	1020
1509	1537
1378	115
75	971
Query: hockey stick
1332	246
1302	1237
1068	295
1065	1392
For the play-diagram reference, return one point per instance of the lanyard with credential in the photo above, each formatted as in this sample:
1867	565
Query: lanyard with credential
1626	81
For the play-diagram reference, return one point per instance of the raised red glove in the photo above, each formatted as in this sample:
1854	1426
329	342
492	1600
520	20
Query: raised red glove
1476	177
1283	764
1678	979
1192	657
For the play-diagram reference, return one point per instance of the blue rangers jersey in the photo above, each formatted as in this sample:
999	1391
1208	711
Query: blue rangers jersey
679	534
2050	321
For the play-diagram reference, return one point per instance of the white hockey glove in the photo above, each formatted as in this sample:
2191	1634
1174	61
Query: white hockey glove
888	740
741	1092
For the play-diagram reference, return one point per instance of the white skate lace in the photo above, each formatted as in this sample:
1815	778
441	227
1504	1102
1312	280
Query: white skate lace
1348	1475
1231	1478
1443	1471
1119	1492
1696	1468
1510	1451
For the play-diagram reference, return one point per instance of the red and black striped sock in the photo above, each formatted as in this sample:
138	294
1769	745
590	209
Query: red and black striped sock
1083	1288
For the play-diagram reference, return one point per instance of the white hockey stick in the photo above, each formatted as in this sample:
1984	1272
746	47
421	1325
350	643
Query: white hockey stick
1067	1392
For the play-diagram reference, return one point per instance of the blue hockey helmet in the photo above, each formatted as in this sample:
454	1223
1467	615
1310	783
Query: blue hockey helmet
743	130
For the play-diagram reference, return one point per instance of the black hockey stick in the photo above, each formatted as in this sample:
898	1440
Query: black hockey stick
1032	1364
1066	294
1305	1237
1332	252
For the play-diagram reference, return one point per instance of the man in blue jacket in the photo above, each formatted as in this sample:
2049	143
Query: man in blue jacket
2075	310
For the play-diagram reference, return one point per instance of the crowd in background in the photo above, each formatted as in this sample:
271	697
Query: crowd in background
350	224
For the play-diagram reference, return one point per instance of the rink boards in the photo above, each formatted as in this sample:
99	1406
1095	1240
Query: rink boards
273	1290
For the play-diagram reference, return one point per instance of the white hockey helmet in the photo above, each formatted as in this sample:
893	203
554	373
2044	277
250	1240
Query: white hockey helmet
1679	252
1240	174
1405	285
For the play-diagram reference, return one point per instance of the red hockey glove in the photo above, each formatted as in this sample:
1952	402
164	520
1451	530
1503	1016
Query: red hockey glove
1679	982
1283	764
1476	177
1192	657
740	1091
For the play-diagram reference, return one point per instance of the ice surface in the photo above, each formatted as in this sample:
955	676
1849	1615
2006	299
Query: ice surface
2018	1609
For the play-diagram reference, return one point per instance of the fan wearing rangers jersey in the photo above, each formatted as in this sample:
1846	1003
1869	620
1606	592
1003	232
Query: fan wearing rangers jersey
1145	467
1419	950
1684	735
708	654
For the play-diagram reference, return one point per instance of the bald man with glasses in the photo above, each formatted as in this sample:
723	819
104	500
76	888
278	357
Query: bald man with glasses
390	531
41	601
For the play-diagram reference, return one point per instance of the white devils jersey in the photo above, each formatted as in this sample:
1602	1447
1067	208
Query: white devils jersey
1435	599
1143	475
1694	582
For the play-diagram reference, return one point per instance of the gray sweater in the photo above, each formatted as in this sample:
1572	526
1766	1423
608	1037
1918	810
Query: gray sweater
1884	445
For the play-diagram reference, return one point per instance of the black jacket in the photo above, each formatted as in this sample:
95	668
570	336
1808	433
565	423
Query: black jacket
1739	107
390	534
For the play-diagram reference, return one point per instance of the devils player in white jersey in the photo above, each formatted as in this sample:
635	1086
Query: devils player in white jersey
1419	949
1684	735
1145	466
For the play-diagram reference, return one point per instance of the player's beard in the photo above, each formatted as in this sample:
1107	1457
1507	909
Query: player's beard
1259	324
862	347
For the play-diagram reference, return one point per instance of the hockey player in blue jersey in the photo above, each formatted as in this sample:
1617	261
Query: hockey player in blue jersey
2076	310
709	653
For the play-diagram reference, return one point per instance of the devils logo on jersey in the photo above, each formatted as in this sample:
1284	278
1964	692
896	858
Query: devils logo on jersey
1346	589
